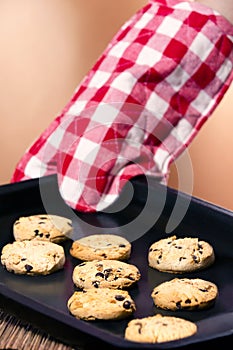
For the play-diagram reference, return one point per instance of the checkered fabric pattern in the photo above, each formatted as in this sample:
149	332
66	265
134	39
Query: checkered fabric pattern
139	107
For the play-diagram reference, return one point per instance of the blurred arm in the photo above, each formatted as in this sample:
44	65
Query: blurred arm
224	7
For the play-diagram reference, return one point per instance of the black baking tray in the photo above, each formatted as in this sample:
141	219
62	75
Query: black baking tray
144	212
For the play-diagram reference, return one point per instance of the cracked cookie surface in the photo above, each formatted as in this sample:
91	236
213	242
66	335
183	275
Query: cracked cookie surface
32	257
178	255
185	293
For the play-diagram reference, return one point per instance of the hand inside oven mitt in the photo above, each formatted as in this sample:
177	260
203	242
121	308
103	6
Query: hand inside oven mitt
139	107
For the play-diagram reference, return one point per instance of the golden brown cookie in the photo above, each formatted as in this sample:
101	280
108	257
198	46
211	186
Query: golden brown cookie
100	247
179	255
158	329
44	227
33	257
101	304
105	274
185	293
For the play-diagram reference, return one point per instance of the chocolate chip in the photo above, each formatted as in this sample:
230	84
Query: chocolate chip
181	258
107	270
178	304
127	305
96	284
119	297
139	327
203	290
106	275
130	278
99	274
187	301
47	235
43	218
28	268
122	245
36	232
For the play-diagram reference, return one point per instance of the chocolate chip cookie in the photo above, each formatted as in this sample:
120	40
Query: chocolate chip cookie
101	304
158	329
101	247
32	257
53	228
179	255
185	293
105	274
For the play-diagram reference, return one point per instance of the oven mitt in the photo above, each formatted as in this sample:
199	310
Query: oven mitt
139	107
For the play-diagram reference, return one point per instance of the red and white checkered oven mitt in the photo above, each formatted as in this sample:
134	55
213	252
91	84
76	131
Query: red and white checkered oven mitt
139	107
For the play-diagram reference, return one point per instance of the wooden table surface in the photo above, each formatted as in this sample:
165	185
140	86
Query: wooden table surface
20	331
17	335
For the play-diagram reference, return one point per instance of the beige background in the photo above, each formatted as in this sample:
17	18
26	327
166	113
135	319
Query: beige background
47	47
